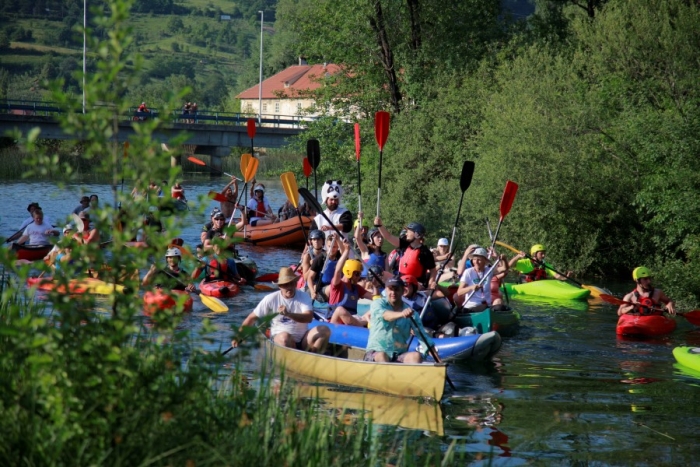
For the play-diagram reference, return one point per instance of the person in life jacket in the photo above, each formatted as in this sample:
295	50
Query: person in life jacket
345	291
331	194
416	259
259	209
533	266
475	283
217	267
88	235
177	192
172	277
322	267
371	247
647	300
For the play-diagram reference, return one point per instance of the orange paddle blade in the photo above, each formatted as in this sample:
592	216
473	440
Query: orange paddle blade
251	169
194	160
245	159
290	188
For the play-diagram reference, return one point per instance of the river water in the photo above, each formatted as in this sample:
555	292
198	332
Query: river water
564	391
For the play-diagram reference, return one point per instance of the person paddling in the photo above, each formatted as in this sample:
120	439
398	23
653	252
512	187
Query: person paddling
258	208
476	282
535	268
173	277
292	312
647	300
38	232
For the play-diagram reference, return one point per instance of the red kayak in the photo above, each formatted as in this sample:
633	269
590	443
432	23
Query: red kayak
160	300
645	325
31	252
85	285
221	289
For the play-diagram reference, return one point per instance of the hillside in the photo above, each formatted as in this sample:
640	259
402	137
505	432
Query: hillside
209	45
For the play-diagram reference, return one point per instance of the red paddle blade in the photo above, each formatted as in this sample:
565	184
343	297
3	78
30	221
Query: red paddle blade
307	168
126	148
250	124
218	197
357	142
613	300
508	198
693	317
381	128
194	160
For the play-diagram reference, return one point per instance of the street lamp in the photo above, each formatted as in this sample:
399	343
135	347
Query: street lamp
262	16
84	46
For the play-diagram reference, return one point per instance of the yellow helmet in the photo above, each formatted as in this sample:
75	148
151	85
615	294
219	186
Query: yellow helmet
357	221
536	248
351	266
640	272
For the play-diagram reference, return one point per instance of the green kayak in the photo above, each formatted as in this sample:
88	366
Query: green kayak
548	288
688	356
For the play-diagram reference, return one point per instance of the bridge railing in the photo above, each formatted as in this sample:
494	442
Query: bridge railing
206	117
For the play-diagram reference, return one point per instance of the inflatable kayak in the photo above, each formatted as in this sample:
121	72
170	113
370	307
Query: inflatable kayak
688	356
160	300
644	325
283	233
31	252
549	288
220	289
75	286
475	347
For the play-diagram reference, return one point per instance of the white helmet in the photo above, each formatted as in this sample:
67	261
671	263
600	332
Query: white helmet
173	252
332	189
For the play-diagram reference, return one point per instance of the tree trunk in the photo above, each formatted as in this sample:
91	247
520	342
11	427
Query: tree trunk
386	56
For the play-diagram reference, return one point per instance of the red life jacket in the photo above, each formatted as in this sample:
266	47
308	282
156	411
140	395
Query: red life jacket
217	269
177	193
410	264
648	304
261	209
537	274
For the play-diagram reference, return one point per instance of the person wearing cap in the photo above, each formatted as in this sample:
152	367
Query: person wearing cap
293	312
173	277
331	193
322	267
209	225
415	258
345	291
259	208
371	247
216	231
476	281
392	323
535	268
84	204
38	232
647	299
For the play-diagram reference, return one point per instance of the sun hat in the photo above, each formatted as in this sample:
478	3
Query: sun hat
480	252
286	276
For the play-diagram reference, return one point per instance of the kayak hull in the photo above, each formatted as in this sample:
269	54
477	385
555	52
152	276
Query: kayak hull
548	288
219	289
644	325
688	356
475	347
31	253
160	300
75	286
285	233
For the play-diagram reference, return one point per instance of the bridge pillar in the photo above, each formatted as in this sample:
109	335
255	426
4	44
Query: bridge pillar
216	153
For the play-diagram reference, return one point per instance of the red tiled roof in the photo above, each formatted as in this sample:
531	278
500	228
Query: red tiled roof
292	81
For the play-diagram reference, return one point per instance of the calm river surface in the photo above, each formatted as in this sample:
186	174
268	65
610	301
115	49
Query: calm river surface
564	391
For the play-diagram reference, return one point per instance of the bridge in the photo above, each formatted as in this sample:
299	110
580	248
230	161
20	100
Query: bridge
210	133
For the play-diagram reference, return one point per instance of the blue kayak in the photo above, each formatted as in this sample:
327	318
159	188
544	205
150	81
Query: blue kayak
475	347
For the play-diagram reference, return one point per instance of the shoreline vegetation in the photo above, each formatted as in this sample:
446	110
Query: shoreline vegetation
108	387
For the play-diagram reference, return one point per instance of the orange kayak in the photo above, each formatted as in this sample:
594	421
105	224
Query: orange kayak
159	300
283	233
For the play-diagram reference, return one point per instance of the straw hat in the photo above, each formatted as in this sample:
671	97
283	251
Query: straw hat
286	276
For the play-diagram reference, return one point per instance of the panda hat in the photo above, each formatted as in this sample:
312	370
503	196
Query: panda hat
332	189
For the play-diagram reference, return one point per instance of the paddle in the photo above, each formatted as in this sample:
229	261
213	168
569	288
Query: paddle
505	289
14	236
506	203
292	191
79	224
357	157
307	171
464	181
249	166
313	153
250	124
196	161
693	316
595	291
213	303
381	133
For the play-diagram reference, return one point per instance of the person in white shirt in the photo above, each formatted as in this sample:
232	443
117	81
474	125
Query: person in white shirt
476	281
38	232
331	193
31	208
259	210
294	312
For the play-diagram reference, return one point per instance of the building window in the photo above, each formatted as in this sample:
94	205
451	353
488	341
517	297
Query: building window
264	106
249	107
299	107
277	107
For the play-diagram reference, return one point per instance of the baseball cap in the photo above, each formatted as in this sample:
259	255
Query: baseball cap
443	242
